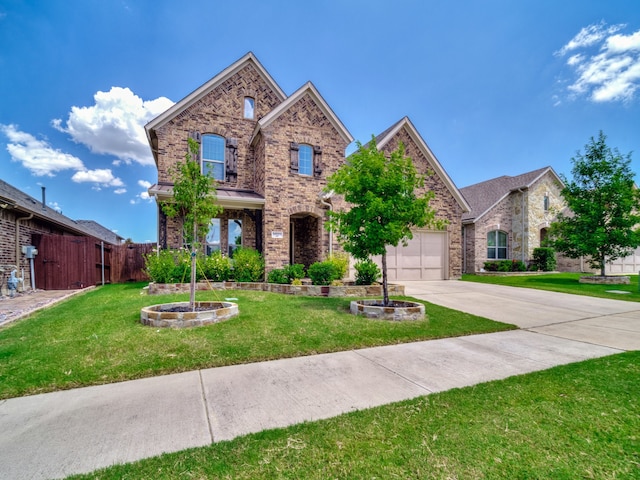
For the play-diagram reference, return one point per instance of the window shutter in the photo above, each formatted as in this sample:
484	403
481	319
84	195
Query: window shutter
231	158
317	160
294	157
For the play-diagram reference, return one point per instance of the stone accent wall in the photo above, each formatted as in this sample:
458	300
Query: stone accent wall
523	216
499	218
444	202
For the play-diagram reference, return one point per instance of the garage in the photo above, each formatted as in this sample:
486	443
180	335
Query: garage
424	258
626	265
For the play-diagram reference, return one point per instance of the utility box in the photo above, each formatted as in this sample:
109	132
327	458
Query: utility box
29	251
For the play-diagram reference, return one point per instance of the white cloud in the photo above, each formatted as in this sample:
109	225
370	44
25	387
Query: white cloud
37	155
120	191
144	194
114	125
101	177
55	206
607	69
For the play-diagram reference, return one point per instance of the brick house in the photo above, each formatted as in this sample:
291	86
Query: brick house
509	216
271	155
23	220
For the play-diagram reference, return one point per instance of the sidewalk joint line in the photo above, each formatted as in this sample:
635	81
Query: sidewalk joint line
206	407
394	372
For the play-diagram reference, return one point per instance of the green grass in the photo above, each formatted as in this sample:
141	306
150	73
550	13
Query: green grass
562	282
97	337
569	422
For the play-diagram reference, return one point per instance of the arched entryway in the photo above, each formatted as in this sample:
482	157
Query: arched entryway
304	239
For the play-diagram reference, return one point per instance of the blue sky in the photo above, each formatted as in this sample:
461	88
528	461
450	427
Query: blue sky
495	87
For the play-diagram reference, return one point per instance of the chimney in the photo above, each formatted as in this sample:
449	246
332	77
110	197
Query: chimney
44	204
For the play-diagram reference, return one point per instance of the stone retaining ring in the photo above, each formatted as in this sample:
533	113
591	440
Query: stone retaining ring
178	314
399	312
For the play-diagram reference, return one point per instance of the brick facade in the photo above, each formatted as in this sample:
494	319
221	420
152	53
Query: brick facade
287	217
445	204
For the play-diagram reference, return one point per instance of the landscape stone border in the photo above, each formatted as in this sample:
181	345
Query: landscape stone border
305	290
164	316
373	309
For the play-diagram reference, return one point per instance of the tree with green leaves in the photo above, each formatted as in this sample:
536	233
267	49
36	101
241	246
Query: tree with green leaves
383	203
194	200
604	203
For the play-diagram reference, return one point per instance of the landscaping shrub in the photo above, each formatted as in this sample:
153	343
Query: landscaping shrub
216	267
323	273
367	272
248	265
168	266
287	274
544	258
505	266
277	275
341	262
294	272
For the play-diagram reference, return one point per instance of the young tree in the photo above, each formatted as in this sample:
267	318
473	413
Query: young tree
194	199
604	207
384	206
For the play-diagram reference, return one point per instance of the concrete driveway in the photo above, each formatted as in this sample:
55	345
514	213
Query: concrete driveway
600	321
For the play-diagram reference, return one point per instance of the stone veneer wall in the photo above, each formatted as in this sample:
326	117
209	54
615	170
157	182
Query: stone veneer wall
444	203
305	290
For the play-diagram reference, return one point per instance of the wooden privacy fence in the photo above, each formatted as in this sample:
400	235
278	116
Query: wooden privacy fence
67	262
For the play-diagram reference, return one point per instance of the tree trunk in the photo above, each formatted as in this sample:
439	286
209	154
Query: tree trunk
192	286
385	290
602	267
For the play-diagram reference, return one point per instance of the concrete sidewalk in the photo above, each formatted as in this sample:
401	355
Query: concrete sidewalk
57	434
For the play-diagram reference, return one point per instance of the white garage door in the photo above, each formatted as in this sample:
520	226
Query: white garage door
630	264
424	258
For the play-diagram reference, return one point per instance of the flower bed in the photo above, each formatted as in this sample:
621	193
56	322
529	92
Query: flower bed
305	290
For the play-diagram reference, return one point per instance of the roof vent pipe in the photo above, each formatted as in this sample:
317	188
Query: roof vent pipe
44	204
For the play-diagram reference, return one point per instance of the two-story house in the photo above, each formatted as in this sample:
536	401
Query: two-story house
271	155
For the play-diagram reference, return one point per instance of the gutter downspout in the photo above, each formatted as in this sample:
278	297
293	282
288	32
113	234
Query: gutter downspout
522	208
18	220
328	204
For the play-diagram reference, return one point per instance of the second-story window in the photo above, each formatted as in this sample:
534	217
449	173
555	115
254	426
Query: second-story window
249	108
213	153
305	160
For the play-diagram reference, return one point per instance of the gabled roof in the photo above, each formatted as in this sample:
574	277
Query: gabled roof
13	199
386	136
485	195
193	97
307	89
101	232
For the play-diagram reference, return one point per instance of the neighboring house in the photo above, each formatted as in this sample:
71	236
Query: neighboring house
509	217
23	219
271	155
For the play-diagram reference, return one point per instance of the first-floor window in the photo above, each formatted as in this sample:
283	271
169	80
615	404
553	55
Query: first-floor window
497	245
212	240
235	235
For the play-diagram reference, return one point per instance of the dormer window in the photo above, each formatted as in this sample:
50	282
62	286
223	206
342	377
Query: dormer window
249	108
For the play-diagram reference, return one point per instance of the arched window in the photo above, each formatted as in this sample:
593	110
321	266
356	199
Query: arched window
213	156
497	245
249	108
305	160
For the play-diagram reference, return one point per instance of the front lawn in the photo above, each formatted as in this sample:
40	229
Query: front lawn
97	337
573	421
562	282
